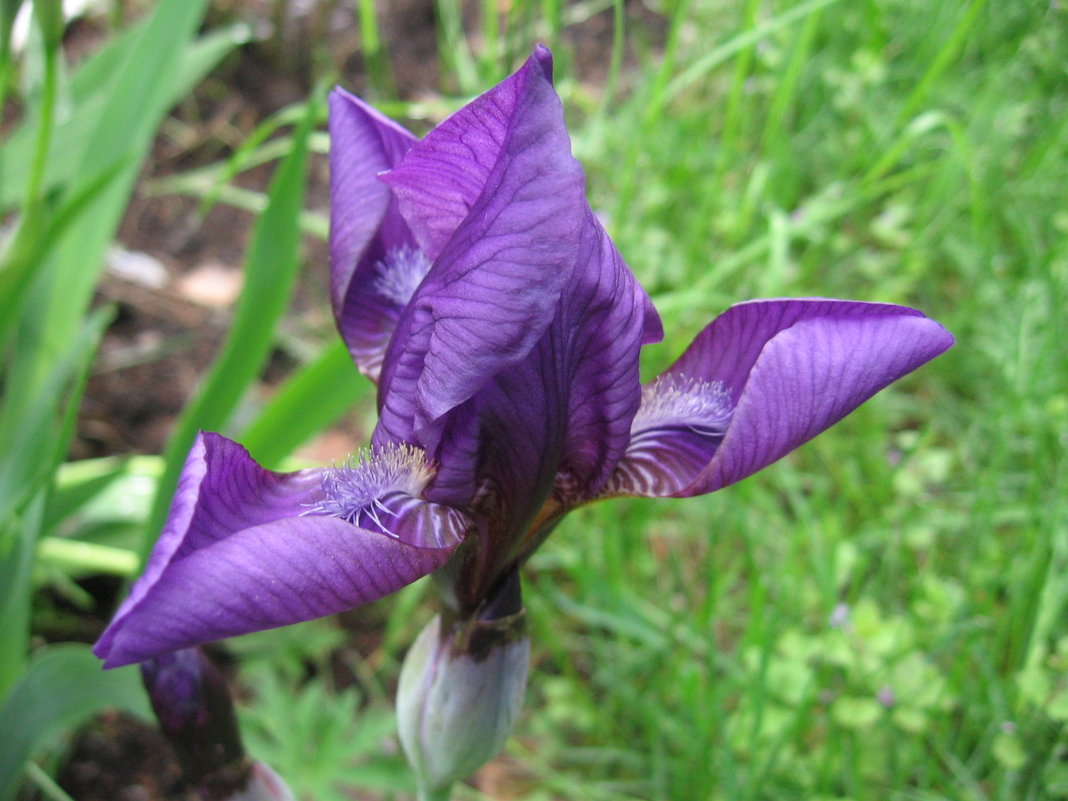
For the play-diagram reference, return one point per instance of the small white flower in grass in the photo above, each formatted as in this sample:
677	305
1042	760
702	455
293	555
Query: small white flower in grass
886	696
839	617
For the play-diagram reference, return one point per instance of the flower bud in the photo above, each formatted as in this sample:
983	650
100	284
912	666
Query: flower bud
461	688
196	714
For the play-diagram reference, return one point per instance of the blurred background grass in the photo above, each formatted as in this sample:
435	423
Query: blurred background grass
879	616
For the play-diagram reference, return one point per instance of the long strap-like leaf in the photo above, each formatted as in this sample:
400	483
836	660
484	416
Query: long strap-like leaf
270	272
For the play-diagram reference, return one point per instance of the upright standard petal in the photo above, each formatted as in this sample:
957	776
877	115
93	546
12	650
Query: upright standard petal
550	429
605	317
439	182
493	289
246	549
375	262
560	420
760	380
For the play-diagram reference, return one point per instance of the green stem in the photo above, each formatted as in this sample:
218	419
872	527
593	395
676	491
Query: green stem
17	537
5	77
88	556
45	783
442	794
48	14
44	129
8	11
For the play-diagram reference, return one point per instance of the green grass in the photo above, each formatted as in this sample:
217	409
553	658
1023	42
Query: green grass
905	152
880	616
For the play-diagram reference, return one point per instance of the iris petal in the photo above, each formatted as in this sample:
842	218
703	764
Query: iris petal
792	368
564	413
438	183
678	428
494	286
244	550
367	232
557	422
605	317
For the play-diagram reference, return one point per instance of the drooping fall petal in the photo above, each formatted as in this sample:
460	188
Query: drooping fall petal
246	549
760	380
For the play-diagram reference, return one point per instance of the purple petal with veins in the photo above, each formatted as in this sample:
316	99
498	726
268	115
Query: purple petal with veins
246	549
470	279
494	286
440	182
374	259
761	379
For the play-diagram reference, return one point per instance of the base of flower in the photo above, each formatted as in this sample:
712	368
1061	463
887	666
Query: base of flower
443	794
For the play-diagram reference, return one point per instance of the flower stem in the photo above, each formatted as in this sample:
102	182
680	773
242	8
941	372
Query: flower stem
45	783
45	124
67	553
441	794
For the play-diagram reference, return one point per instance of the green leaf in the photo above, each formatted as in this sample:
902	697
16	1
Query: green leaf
17	537
63	687
32	452
90	90
320	741
270	272
30	441
8	10
1058	706
108	490
37	233
856	713
1009	751
310	400
49	17
914	721
52	317
290	115
75	557
699	69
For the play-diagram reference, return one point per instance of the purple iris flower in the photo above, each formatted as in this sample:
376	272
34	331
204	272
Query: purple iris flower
472	282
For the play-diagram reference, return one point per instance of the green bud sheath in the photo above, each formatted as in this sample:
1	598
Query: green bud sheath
460	691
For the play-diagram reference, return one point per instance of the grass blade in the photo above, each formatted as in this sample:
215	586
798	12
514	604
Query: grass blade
18	533
32	243
90	89
703	66
270	271
312	399
32	452
65	283
30	442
